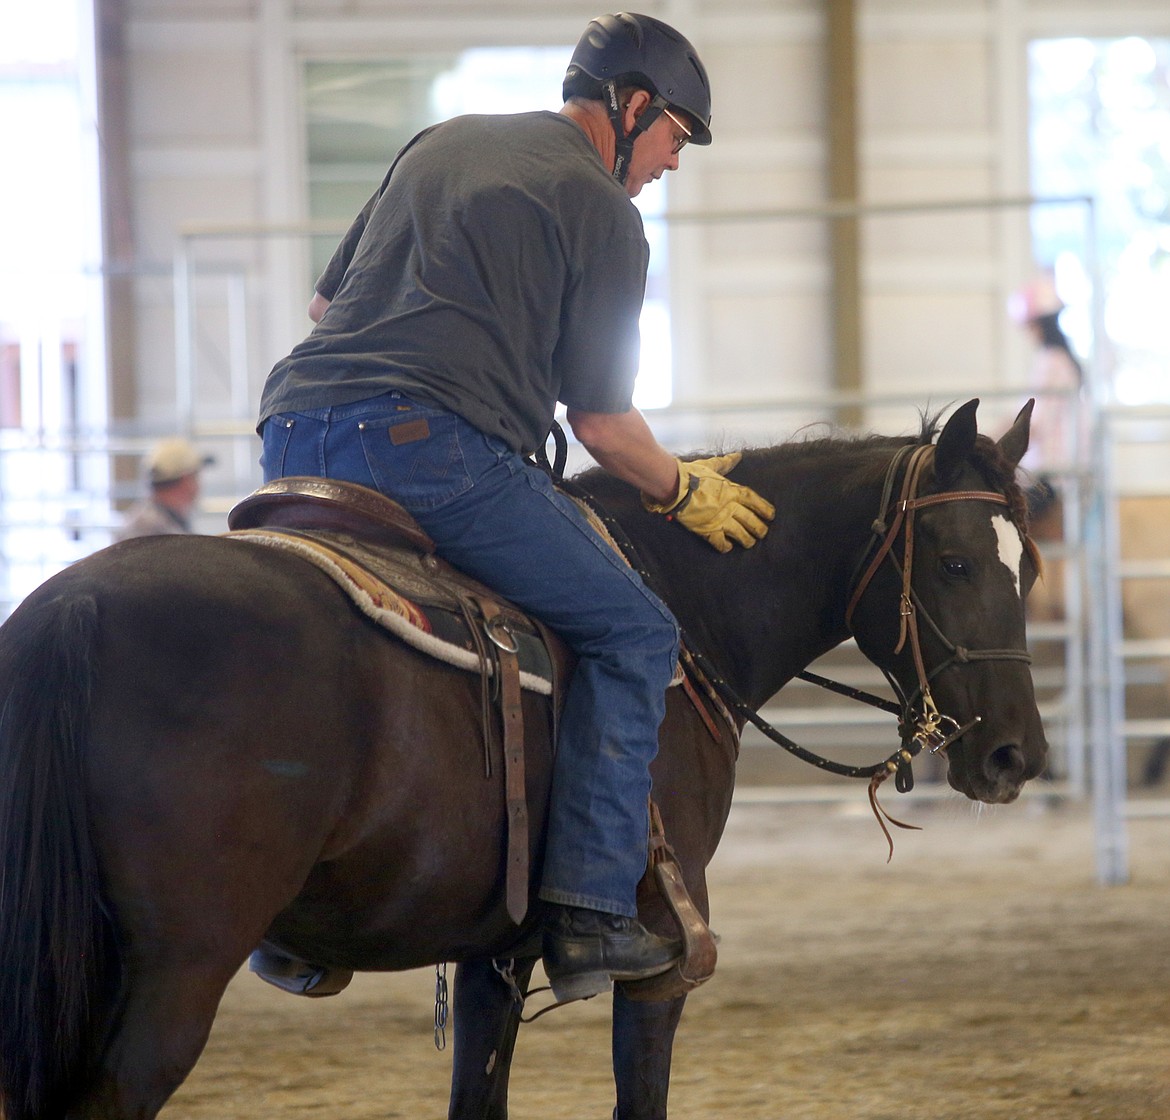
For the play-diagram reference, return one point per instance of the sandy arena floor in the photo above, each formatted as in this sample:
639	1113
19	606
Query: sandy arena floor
981	975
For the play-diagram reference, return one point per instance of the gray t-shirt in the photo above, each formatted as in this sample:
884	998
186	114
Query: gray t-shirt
498	269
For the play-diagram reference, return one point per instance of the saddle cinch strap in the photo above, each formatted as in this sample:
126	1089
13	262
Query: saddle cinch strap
387	565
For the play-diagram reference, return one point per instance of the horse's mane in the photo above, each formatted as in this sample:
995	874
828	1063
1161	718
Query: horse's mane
873	456
869	456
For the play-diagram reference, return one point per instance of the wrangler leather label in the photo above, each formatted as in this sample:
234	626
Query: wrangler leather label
410	432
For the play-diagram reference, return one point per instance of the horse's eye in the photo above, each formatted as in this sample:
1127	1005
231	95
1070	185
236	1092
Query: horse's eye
956	567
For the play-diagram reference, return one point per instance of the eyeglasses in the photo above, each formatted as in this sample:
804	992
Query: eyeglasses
680	142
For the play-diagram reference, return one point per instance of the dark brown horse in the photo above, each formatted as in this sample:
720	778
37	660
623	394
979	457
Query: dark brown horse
202	744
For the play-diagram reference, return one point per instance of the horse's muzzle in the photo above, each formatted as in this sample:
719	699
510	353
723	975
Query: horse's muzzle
998	777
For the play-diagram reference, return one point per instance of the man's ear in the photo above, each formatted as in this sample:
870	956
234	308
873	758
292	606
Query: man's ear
635	105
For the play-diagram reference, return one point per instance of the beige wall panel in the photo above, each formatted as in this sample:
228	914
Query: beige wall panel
942	86
173	100
778	201
933	343
790	181
728	244
930	233
155	346
913	13
167	206
193	9
761	347
901	182
764	88
156	349
571	10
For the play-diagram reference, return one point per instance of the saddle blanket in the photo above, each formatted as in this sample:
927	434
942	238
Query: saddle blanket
427	609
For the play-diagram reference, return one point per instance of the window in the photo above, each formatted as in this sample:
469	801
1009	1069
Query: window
1101	127
53	497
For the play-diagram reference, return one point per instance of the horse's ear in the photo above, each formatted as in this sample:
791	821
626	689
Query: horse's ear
955	443
1014	442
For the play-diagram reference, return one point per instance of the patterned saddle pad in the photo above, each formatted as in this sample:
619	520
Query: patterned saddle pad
383	560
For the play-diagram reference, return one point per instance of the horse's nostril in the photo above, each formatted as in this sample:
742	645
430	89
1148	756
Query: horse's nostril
1005	762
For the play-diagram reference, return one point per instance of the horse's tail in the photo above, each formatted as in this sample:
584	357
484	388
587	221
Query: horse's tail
58	964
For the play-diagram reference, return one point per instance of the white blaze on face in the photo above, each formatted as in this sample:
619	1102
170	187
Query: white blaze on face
1011	546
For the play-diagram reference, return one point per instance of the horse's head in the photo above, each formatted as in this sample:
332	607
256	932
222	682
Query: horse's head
940	604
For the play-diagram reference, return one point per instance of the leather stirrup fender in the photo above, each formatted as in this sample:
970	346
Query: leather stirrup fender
515	792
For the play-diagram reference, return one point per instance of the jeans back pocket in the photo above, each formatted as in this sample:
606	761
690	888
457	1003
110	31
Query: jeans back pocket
415	455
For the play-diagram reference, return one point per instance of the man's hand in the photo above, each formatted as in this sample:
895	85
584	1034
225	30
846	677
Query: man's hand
715	508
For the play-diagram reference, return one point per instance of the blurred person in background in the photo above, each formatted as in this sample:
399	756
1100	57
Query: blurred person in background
1057	378
172	470
1059	436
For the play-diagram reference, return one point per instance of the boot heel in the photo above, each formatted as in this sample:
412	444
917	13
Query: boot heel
584	985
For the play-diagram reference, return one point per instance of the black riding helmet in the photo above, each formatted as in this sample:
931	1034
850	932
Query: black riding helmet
628	49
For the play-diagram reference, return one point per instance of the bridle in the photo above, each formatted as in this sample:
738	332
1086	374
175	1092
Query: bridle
922	725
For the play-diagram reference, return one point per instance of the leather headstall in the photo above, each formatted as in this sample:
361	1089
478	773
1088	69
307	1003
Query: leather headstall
923	724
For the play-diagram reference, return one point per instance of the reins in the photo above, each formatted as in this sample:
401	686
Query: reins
920	728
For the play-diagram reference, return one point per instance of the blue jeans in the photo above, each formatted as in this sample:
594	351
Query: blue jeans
501	521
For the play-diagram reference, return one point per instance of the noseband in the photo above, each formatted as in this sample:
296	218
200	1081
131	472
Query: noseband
922	726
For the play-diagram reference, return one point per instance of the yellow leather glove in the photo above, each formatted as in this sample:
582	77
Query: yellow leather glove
717	509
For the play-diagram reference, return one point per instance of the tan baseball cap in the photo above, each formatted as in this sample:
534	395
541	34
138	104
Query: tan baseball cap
172	459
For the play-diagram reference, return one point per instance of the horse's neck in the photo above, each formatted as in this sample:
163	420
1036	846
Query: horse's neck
803	578
764	614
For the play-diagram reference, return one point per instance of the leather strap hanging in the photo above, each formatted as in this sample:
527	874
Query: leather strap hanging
515	795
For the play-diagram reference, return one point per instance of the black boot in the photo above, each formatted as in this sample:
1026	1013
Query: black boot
586	950
295	976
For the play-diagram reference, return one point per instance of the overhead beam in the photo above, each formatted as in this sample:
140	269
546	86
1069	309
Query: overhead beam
845	325
118	245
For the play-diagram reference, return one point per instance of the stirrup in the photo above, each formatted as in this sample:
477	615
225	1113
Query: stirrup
700	950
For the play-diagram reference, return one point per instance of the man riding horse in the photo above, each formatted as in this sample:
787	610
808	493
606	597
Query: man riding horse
500	269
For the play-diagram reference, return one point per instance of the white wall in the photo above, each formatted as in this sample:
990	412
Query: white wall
215	138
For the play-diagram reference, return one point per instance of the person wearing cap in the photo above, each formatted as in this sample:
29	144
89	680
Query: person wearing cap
172	470
499	269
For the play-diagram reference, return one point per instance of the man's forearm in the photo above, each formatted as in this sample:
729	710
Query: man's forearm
623	445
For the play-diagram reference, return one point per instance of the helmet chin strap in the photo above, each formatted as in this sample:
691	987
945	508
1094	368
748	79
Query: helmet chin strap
623	143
